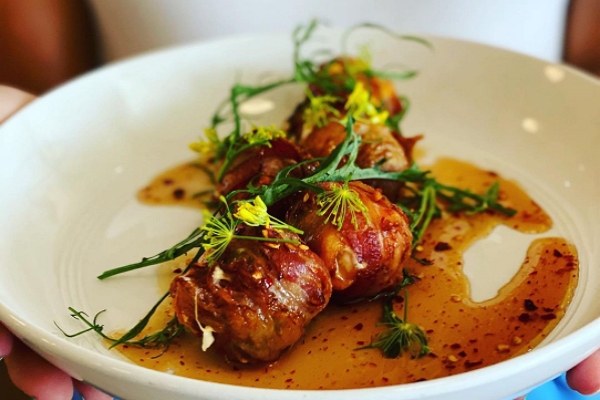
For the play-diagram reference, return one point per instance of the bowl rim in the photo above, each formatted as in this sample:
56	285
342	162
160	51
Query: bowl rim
62	348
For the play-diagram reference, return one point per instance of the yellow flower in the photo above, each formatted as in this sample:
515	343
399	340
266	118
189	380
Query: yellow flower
207	148
253	214
319	110
219	232
263	135
338	202
361	108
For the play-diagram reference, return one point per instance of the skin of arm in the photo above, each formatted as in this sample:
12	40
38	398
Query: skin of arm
582	35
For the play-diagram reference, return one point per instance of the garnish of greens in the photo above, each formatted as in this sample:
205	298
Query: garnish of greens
400	336
426	198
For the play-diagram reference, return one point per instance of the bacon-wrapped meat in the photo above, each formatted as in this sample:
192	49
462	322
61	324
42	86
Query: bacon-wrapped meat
259	165
378	145
257	297
336	72
366	253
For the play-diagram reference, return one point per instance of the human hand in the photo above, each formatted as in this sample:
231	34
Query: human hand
28	371
585	377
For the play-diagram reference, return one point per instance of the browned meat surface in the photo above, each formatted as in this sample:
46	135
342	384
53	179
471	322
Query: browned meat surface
364	259
378	144
259	165
383	93
257	297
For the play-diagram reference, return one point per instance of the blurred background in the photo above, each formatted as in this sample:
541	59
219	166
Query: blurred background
45	43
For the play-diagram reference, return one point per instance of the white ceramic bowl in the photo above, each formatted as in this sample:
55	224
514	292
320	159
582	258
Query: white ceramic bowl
71	162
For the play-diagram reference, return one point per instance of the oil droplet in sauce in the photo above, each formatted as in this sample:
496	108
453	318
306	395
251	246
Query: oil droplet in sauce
463	335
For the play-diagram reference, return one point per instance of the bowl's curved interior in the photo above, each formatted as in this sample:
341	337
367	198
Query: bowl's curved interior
72	161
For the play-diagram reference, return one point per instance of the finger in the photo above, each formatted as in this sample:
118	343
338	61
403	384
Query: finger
6	341
90	393
585	377
11	100
36	376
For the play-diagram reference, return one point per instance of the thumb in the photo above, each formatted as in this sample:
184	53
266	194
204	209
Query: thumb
36	376
11	100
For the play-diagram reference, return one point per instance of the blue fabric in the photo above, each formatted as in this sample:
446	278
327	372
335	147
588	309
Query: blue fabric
558	390
77	396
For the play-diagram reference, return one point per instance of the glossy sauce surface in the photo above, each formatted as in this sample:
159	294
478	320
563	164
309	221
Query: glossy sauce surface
463	335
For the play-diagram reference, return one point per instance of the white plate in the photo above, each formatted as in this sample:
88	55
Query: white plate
71	162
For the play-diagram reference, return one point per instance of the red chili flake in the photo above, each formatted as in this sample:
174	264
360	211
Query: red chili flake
455	346
360	343
344	318
524	317
289	380
529	305
358	327
462	354
442	246
471	364
548	309
181	363
557	253
177	271
548	317
178	193
168	181
384	379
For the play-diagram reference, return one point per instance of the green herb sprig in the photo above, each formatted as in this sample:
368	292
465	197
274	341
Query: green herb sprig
401	335
158	340
428	198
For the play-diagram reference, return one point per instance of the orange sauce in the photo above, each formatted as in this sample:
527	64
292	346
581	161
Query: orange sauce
188	184
463	335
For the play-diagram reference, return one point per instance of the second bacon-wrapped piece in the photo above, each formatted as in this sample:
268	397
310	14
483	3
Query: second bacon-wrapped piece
256	298
259	165
365	252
